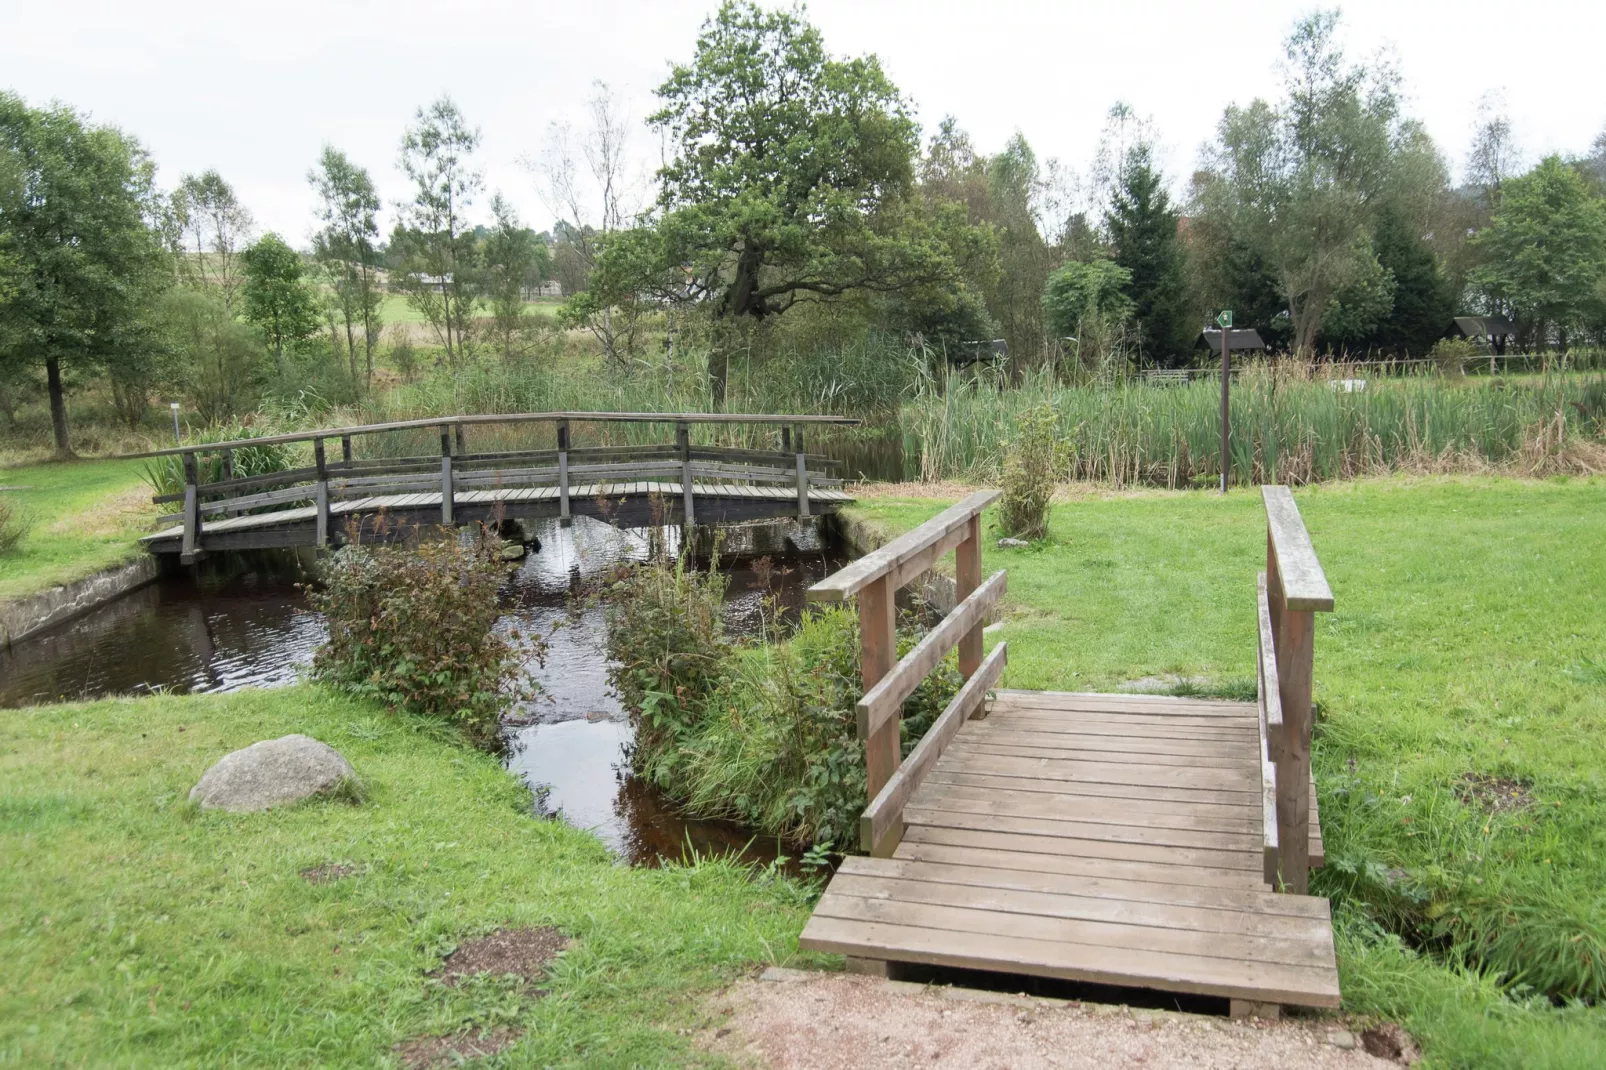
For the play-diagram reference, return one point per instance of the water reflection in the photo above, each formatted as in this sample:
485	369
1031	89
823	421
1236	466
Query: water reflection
244	622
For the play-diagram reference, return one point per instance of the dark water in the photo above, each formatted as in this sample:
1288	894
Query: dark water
244	622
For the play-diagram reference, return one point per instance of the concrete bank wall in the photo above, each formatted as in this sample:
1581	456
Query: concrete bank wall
22	617
861	535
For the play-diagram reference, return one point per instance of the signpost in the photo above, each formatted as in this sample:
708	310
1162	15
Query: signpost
1225	322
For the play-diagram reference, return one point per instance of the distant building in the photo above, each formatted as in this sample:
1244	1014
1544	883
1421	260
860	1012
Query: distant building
1242	340
1492	331
986	352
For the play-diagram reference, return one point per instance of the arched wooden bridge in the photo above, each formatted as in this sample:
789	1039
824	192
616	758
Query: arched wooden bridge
1130	840
380	487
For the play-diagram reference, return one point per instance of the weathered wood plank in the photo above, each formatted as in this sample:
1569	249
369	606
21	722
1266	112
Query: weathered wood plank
1304	584
926	848
847	581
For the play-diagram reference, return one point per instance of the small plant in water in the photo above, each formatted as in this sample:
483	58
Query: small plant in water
415	627
1032	470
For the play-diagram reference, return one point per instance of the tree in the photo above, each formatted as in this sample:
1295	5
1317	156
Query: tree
1014	291
1299	184
1086	300
436	243
275	297
1544	249
86	264
604	148
511	257
1143	234
346	246
789	177
209	228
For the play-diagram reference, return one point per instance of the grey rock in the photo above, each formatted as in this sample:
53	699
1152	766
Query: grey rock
272	773
512	551
782	975
1015	544
1342	1038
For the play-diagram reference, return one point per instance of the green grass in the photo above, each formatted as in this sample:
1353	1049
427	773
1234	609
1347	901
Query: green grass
1468	634
394	308
139	931
86	517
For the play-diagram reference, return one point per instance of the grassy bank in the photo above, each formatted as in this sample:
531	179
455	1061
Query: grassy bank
1467	639
140	932
86	516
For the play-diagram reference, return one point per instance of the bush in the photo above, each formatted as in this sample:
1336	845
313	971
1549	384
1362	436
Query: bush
14	526
1032	469
415	628
1452	355
166	474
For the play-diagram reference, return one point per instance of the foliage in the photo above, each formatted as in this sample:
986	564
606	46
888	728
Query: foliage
15	524
1086	306
1545	248
511	258
1453	355
86	517
274	296
346	247
85	263
208	228
1143	235
215	933
415	628
1033	467
220	362
434	245
165	475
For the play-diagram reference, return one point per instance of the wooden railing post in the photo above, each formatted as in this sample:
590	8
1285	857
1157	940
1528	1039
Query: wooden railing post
320	537
190	546
563	473
446	474
683	444
802	477
1295	656
967	577
345	448
878	652
228	464
462	440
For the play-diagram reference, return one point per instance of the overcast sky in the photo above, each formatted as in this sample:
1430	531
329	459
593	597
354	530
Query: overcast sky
254	90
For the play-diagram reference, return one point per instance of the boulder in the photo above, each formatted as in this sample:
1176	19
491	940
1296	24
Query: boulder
272	773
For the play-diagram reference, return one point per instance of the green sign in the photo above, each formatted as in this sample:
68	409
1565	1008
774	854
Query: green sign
1225	319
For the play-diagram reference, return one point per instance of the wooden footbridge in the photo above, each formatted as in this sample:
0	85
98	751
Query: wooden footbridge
389	491
1144	841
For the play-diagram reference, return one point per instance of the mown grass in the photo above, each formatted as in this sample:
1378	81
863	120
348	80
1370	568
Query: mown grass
85	516
1467	636
138	931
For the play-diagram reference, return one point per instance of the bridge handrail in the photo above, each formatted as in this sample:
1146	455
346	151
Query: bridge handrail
876	579
1291	591
494	418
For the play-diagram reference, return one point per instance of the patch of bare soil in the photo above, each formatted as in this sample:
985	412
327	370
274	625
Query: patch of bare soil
422	1052
845	1021
522	953
1496	794
329	871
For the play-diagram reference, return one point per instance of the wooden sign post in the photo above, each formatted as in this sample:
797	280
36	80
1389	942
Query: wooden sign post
1225	320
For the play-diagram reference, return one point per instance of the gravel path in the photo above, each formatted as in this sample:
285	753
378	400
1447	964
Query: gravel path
799	1021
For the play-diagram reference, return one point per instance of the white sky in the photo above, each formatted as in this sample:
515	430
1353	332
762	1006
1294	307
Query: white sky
255	89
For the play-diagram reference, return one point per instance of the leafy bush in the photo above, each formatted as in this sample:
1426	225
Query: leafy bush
14	526
166	474
1452	355
1032	469
415	627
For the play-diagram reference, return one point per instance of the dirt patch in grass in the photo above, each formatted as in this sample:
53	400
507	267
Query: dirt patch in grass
422	1052
329	871
522	953
1496	794
1388	1041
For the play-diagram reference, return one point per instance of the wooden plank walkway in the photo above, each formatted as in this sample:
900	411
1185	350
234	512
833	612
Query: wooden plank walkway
1115	839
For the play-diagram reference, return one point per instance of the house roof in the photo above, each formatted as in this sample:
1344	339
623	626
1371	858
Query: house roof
1243	339
1483	326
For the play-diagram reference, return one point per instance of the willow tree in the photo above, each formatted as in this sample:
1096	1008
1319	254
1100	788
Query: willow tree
789	181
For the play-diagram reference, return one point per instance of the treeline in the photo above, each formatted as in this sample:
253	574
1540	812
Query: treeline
799	211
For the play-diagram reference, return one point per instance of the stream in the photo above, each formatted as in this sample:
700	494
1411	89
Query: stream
242	621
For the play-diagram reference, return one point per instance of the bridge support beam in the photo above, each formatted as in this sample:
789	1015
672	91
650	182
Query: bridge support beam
683	444
563	474
190	547
446	475
320	537
802	478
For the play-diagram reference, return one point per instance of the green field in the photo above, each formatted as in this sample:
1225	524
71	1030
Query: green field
1468	637
86	516
395	308
140	932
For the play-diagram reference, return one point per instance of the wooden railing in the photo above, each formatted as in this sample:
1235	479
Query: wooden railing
455	469
1291	591
875	579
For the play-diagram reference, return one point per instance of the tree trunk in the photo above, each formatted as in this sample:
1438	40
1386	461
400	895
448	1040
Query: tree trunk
58	407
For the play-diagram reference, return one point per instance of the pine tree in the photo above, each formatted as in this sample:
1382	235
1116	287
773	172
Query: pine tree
1143	231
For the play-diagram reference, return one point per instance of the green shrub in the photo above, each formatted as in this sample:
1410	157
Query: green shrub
1033	467
1452	355
166	474
415	627
14	526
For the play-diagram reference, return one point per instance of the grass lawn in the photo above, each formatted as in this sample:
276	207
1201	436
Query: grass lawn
1469	636
396	309
87	515
139	931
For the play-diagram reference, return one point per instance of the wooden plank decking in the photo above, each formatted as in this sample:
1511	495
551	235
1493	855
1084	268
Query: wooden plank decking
1114	839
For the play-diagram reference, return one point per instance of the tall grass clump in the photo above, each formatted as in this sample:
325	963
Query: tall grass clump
1032	469
762	732
14	526
1290	423
166	474
414	626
